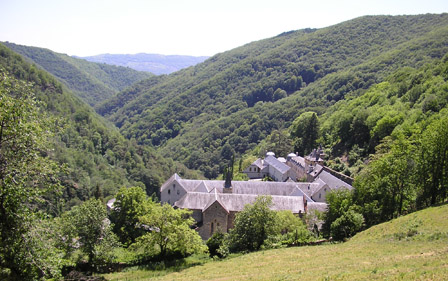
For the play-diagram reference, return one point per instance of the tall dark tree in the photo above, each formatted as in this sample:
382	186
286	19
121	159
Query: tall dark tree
305	130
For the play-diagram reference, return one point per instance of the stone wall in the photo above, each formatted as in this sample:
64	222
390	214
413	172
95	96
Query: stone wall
213	218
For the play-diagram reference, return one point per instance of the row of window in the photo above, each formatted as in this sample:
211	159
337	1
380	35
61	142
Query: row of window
255	169
169	191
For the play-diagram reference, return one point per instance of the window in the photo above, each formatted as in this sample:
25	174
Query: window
320	195
169	191
211	228
178	192
174	186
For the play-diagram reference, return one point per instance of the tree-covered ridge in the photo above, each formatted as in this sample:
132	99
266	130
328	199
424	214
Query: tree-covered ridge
403	121
98	158
92	82
233	100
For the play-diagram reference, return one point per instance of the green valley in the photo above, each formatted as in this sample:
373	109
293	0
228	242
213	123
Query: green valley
228	104
90	153
96	155
92	82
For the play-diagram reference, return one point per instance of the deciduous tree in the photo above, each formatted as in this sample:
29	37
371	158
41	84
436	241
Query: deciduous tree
169	233
26	175
253	225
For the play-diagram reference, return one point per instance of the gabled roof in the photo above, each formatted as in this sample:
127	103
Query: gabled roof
311	188
258	163
321	207
299	192
194	200
213	199
203	187
316	171
332	181
274	162
173	178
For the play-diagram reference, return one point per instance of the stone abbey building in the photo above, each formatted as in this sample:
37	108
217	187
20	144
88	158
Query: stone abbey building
215	202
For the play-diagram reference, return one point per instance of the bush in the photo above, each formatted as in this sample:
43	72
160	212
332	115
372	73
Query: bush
214	243
346	225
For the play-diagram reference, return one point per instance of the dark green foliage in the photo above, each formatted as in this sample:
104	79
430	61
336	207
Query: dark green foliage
347	225
238	97
409	168
27	175
93	82
305	131
387	186
253	226
433	162
214	242
130	204
86	226
339	203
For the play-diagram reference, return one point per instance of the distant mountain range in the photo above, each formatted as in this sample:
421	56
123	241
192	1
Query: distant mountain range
154	63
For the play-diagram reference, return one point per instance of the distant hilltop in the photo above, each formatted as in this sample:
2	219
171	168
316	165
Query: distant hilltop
154	63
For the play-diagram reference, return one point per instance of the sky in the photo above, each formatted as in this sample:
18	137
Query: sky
178	27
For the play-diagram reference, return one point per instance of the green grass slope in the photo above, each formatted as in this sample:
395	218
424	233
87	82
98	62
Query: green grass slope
412	247
92	82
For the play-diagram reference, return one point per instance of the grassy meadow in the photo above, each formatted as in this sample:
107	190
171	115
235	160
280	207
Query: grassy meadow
413	247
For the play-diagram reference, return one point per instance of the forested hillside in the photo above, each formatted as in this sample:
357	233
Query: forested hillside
98	159
92	82
154	63
232	101
403	120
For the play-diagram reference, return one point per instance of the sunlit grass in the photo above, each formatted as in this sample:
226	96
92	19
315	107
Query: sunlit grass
413	247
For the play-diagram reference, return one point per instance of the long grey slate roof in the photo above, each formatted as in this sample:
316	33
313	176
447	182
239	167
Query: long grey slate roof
244	187
332	181
299	160
236	202
279	166
321	207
